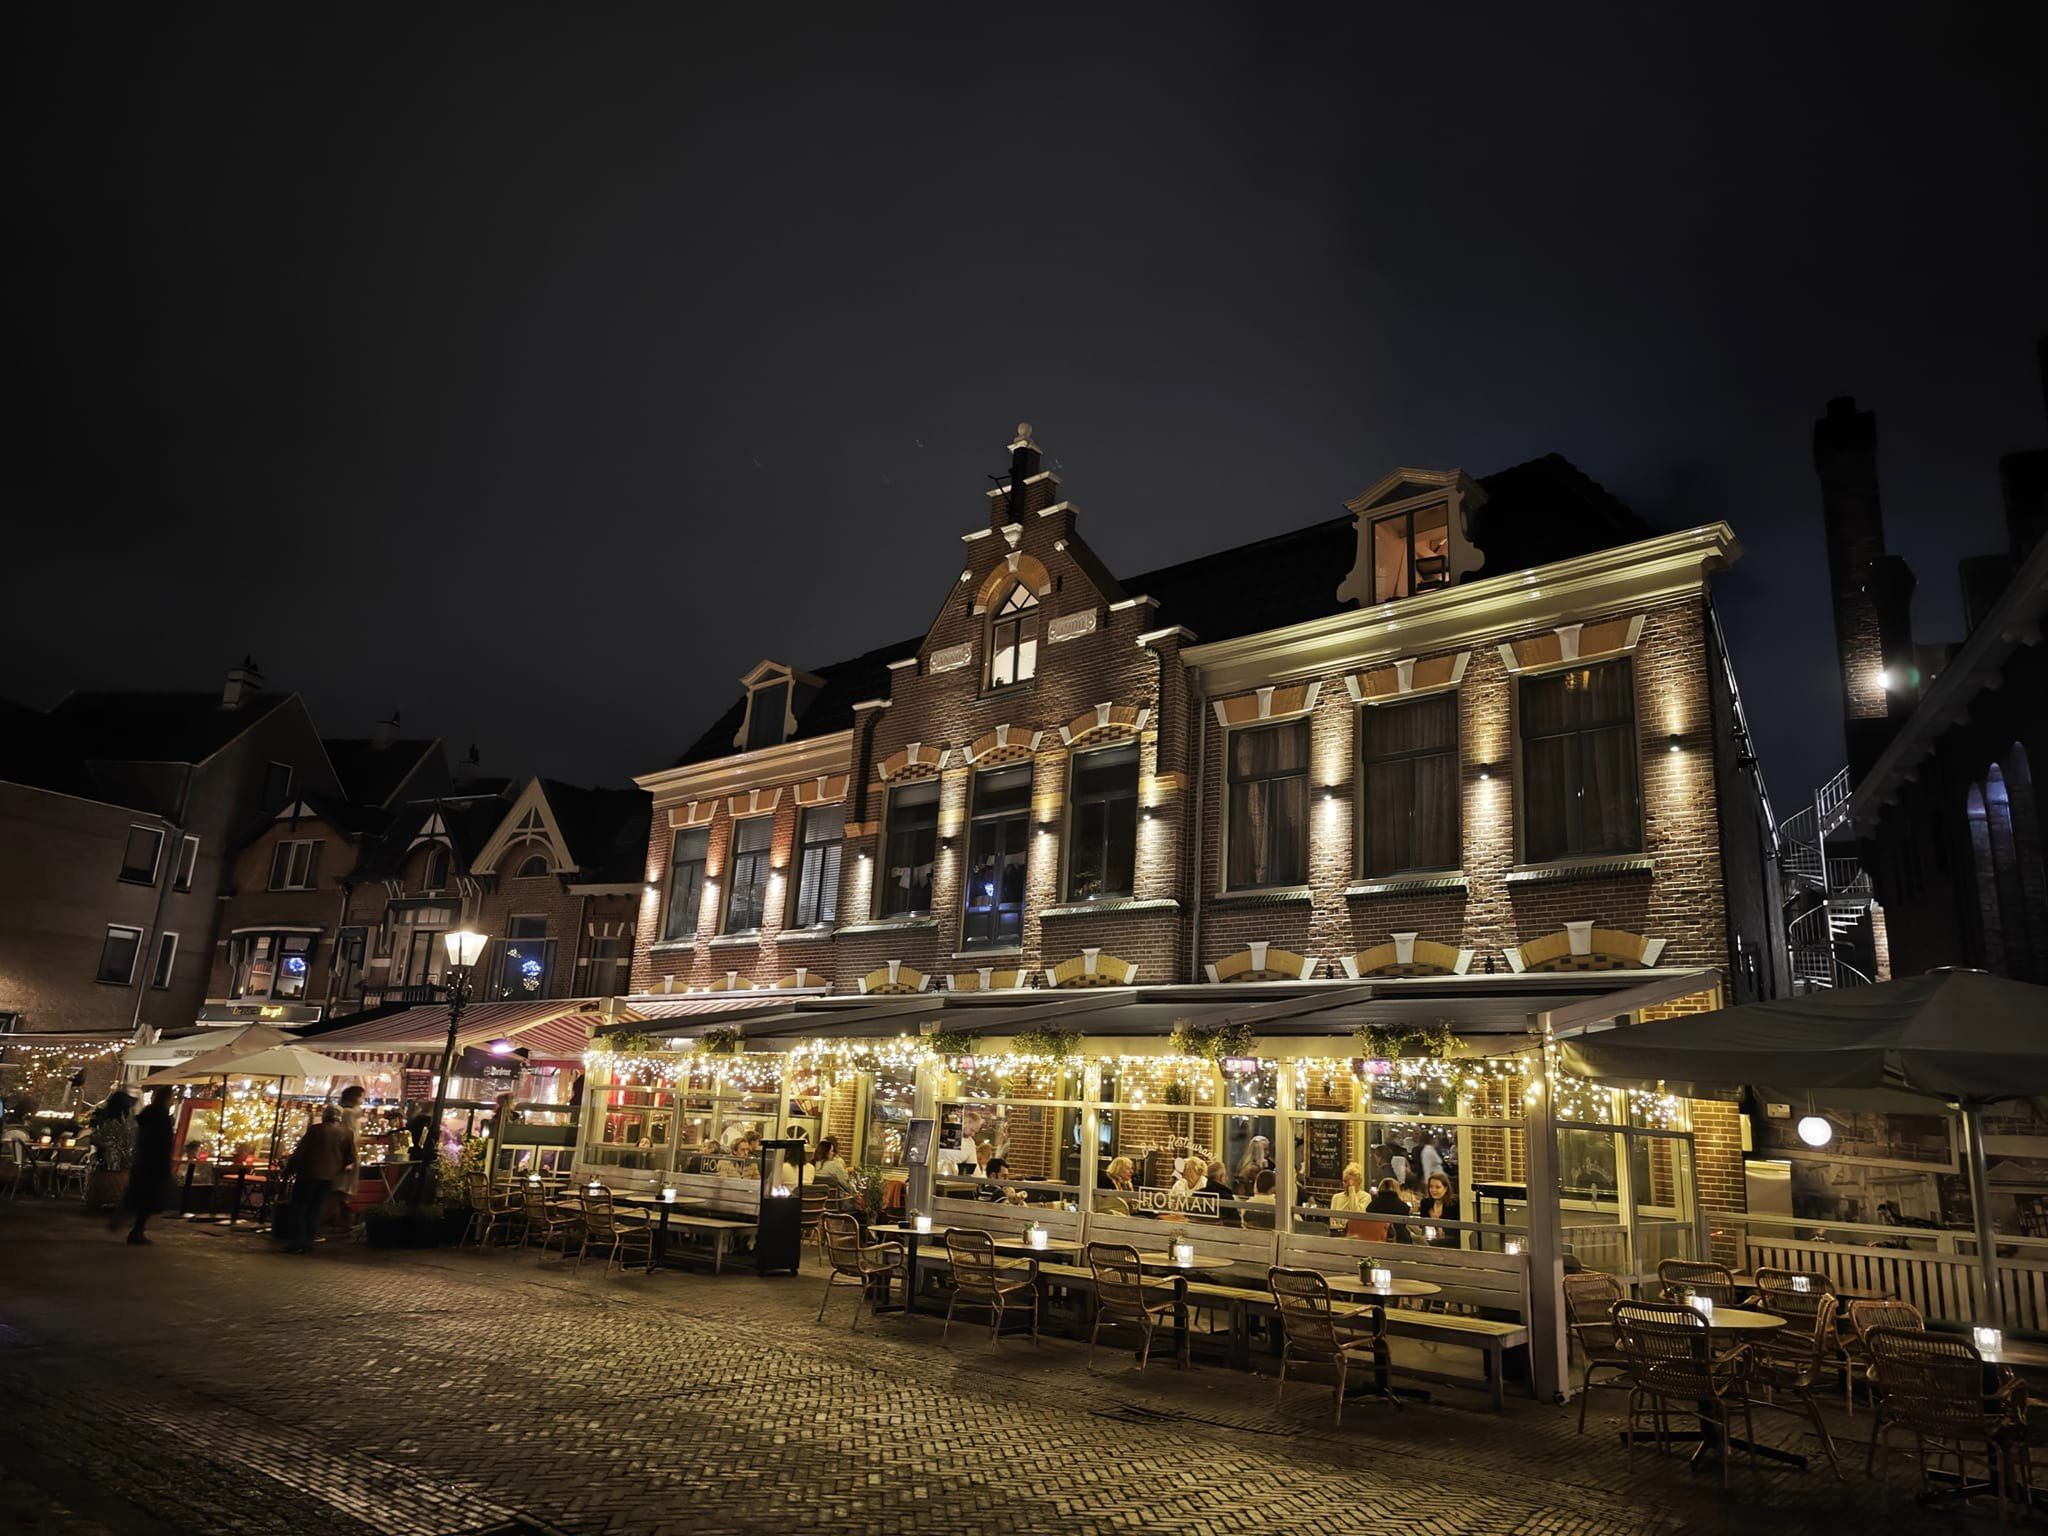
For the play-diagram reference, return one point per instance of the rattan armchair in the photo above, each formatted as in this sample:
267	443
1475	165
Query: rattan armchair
984	1282
1124	1298
1314	1332
1791	1363
1865	1316
1675	1366
1937	1386
1589	1299
1681	1278
547	1222
620	1236
867	1266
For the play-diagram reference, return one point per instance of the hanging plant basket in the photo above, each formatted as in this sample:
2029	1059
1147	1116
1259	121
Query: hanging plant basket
950	1042
1190	1039
1431	1042
719	1042
1055	1044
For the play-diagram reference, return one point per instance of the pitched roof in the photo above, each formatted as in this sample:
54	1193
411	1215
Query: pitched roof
593	822
157	727
36	751
470	816
372	774
843	685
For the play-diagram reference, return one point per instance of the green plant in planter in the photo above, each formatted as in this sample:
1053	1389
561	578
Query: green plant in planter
1175	1092
719	1042
1392	1042
950	1042
1191	1039
1056	1044
865	1183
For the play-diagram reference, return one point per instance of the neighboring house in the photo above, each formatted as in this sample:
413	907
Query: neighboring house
1470	726
120	815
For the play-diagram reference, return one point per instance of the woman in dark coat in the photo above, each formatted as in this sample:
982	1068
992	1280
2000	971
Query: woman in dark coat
150	1174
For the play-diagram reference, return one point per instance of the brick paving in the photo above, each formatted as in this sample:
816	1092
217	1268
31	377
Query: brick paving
211	1385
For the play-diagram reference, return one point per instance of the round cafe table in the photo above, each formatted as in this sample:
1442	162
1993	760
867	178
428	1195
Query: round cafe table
1376	1297
657	1251
1742	1325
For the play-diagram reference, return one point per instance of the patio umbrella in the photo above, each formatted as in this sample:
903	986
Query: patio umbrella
286	1060
1962	1038
248	1037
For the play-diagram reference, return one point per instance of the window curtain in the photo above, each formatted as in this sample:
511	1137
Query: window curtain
1411	811
1269	806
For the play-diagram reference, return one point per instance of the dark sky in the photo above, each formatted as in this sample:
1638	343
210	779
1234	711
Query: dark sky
541	370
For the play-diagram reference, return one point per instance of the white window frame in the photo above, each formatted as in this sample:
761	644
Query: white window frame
166	962
188	863
134	958
1020	657
294	879
156	861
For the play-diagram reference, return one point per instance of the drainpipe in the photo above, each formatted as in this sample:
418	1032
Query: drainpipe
145	963
1194	862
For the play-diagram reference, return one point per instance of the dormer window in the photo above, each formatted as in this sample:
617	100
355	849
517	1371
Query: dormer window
775	693
765	713
1411	552
1013	639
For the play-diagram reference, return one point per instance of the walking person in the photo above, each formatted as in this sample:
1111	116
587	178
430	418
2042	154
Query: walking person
149	1175
346	1184
323	1154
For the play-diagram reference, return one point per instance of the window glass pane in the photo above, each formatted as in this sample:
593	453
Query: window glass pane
996	858
188	863
766	716
294	963
817	896
166	958
138	859
1390	558
1579	762
1268	805
117	955
750	845
913	845
1410	752
686	883
1103	831
1432	548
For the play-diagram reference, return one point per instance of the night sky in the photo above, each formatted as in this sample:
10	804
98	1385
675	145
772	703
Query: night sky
539	371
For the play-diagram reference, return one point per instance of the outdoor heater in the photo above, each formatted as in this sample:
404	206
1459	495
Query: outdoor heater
778	1237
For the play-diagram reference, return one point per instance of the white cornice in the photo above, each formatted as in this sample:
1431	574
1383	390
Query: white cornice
779	764
1649	571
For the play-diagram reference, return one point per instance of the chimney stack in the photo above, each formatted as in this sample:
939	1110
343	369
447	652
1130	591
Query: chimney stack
384	734
242	682
1024	463
1845	455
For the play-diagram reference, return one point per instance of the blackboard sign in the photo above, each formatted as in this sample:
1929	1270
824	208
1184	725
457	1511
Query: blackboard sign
917	1144
1325	1151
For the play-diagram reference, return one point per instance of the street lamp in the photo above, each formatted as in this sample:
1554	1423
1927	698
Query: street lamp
465	948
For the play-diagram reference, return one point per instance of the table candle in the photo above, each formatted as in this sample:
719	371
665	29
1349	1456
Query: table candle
533	1178
1379	1279
1704	1305
1183	1254
668	1194
1988	1339
1036	1236
922	1223
1512	1247
595	1187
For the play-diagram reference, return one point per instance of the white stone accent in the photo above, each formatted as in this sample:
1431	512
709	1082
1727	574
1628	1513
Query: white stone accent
951	659
1072	626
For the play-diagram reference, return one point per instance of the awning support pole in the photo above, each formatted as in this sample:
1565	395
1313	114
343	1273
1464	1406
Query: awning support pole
1993	1314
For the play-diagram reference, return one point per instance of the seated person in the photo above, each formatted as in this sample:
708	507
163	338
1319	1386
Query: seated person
1441	1204
1352	1197
830	1168
1219	1181
1259	1203
1116	1178
1194	1176
994	1190
1386	1201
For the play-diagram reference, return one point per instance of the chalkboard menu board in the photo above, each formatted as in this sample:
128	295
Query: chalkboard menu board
1325	1151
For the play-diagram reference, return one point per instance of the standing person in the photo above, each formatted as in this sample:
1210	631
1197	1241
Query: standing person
1258	1158
323	1154
1432	1159
150	1173
351	1177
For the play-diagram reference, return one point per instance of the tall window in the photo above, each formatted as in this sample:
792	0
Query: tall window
528	957
188	864
1269	806
1410	785
138	859
912	847
817	872
686	883
749	897
166	961
1411	552
611	964
1013	639
117	954
274	965
767	710
435	877
998	846
1103	844
1579	762
417	953
294	865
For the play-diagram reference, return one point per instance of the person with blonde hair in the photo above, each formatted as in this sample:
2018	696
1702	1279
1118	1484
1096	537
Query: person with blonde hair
1194	1176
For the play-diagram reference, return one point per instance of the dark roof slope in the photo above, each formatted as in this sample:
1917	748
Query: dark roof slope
470	816
844	684
370	773
38	752
594	820
157	727
347	816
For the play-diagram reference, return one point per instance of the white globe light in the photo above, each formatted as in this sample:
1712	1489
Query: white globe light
1815	1131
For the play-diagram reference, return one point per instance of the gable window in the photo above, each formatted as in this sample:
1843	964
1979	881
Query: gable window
1268	806
188	864
533	867
277	786
1103	843
273	965
1579	763
117	954
997	851
1409	783
139	858
767	714
528	957
435	877
1013	639
166	961
686	883
912	848
748	898
417	952
294	864
817	874
1411	552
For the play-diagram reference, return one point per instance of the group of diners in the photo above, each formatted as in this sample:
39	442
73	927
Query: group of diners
1385	1215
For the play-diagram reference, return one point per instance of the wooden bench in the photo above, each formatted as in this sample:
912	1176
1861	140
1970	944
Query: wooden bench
719	1229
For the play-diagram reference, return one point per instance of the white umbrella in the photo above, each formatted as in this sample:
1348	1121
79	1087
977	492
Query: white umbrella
285	1060
247	1037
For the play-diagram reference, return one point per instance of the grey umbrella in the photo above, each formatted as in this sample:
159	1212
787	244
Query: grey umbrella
1961	1037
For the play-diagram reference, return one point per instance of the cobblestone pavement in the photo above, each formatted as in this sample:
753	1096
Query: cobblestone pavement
210	1384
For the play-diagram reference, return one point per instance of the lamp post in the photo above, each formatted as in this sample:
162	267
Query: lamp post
465	948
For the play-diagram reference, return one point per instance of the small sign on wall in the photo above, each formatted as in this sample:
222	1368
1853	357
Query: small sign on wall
950	659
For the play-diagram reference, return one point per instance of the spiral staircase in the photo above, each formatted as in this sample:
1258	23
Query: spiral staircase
1829	917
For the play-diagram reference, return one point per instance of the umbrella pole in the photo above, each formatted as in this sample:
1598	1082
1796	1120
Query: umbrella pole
1980	1209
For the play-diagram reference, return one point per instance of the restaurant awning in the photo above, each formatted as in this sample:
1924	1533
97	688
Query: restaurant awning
556	1031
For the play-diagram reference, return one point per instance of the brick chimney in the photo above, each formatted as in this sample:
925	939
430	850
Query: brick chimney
242	682
1015	497
384	734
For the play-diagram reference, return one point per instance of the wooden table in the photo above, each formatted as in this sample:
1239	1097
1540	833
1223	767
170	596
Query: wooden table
1376	1297
657	1251
913	1239
1745	1324
1746	1281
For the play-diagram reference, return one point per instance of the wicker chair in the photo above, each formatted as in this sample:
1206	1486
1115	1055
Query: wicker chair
620	1236
867	1266
1793	1361
1673	1364
1124	1298
988	1283
1694	1277
1314	1332
1589	1299
1937	1386
1865	1316
546	1222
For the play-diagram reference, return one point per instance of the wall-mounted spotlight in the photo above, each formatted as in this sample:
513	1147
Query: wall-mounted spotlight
1673	743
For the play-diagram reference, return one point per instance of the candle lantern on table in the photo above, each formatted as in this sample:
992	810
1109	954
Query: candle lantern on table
1035	1235
1183	1252
778	1235
922	1223
1987	1340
